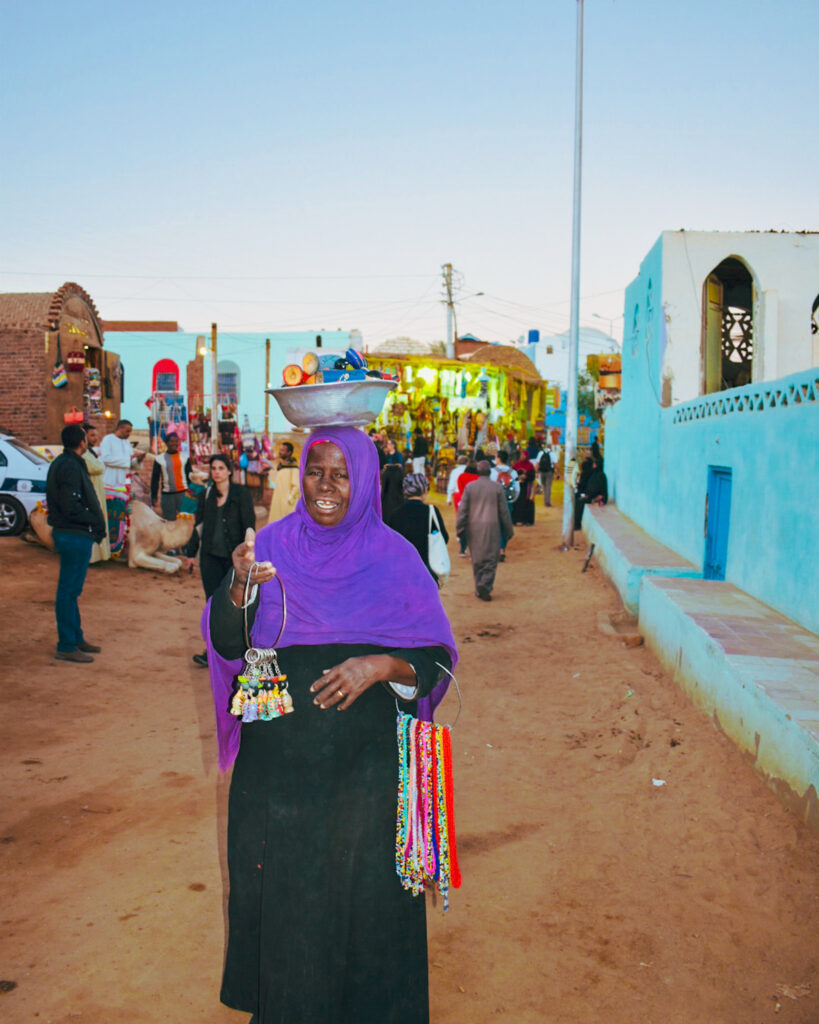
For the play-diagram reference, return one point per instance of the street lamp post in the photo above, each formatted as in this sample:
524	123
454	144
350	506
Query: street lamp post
570	448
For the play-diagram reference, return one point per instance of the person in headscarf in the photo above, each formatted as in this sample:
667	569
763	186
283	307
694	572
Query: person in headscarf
595	491
482	514
523	511
411	519
320	928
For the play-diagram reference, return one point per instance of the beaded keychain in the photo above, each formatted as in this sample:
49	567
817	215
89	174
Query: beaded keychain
262	694
425	848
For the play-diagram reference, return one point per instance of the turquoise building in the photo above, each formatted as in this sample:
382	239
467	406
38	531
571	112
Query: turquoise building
713	448
158	360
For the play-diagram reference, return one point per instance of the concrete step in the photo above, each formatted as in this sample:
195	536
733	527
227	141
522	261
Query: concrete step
626	553
754	671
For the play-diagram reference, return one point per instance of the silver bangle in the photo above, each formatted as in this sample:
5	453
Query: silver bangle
254	593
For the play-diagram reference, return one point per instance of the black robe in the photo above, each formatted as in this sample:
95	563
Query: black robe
320	929
411	520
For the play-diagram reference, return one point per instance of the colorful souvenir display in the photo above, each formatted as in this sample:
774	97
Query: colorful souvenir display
330	368
261	696
425	849
262	693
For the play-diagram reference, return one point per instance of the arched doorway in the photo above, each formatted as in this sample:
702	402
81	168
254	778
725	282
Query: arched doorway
165	376
727	346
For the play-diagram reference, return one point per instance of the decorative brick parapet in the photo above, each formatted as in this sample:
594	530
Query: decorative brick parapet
800	389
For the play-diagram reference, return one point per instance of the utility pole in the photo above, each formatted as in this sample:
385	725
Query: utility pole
267	385
570	446
214	393
450	312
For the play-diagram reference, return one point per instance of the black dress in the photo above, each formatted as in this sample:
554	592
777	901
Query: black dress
320	929
411	520
392	476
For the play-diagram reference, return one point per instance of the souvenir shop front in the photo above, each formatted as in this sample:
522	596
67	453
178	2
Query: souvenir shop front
94	382
460	405
56	369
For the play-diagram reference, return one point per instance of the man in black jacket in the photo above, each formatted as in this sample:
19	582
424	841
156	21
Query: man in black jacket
77	520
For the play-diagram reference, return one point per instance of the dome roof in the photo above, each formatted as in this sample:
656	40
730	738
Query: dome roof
42	310
506	357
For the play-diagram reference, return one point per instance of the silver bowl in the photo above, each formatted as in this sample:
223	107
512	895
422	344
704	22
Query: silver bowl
351	403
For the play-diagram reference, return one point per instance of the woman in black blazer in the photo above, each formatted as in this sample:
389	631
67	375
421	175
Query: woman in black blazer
225	512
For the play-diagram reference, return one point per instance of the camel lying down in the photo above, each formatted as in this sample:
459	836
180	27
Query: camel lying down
149	537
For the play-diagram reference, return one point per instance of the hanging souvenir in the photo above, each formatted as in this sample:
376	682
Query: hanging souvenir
59	378
262	693
425	847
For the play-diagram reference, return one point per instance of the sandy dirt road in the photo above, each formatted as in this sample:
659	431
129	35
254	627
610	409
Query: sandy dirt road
590	894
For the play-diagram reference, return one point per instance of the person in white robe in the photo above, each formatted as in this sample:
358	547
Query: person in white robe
117	455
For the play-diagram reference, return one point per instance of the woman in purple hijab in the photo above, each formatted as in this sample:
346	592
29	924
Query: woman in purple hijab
320	928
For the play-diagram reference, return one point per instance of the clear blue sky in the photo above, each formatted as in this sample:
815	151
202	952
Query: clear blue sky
301	165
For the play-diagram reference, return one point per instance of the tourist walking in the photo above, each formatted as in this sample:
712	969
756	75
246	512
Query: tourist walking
455	472
223	515
507	477
412	518
77	521
469	474
319	926
170	478
547	475
420	451
481	514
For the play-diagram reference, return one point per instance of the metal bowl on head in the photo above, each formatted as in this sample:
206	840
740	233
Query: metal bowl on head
351	403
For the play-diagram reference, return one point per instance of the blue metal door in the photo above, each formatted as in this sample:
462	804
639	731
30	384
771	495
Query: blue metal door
717	522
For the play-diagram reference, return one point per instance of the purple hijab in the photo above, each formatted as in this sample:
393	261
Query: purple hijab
356	583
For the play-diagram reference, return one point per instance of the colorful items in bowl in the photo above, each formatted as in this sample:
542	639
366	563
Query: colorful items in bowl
351	403
329	368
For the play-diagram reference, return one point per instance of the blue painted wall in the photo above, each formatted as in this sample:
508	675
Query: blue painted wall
658	468
139	351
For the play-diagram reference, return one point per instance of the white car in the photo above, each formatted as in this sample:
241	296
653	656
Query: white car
22	483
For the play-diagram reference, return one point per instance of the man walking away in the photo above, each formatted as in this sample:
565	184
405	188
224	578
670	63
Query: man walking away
170	479
77	521
481	514
547	475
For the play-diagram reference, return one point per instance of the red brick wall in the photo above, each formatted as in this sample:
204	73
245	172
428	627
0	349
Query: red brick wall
195	381
24	385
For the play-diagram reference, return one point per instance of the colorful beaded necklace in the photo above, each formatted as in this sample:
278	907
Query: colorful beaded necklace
425	848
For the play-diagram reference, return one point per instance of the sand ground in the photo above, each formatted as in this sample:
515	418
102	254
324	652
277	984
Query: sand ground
590	894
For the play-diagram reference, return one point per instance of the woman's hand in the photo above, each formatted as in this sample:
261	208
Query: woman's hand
244	559
341	686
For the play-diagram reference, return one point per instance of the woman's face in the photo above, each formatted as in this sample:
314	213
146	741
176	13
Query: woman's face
326	484
390	447
219	471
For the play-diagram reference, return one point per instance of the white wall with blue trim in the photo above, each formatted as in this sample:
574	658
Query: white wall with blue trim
766	433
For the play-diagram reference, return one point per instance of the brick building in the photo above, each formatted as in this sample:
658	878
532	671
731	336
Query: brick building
36	330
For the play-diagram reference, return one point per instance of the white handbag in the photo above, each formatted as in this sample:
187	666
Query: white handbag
438	556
